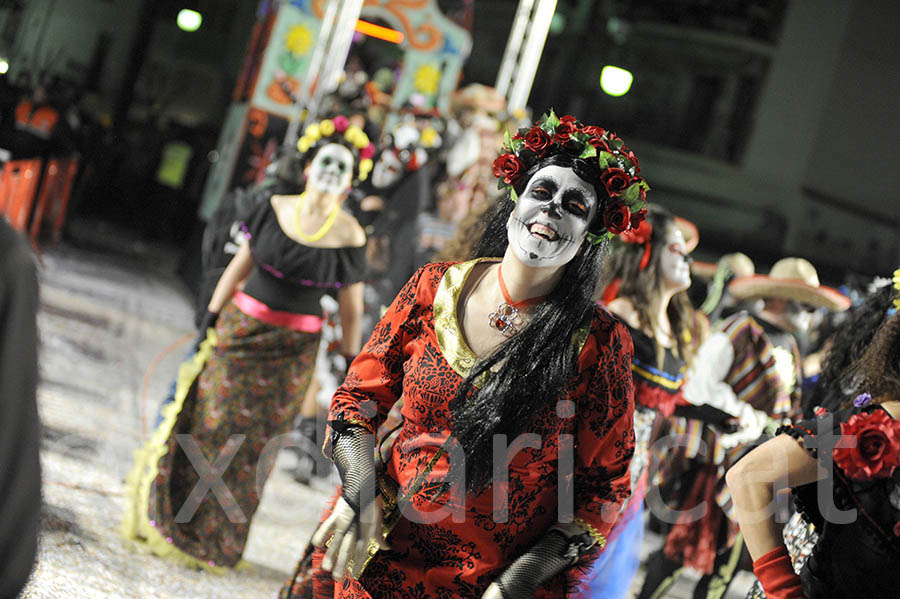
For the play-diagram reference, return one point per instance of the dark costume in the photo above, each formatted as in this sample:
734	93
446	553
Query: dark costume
862	558
20	469
656	393
249	379
417	350
757	372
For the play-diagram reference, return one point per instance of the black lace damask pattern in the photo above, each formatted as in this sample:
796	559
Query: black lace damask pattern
445	557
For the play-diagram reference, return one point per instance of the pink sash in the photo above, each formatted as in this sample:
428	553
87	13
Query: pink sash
305	323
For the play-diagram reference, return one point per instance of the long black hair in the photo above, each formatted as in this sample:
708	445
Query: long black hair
534	366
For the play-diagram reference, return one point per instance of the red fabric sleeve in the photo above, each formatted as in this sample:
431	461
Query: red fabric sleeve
776	575
374	380
605	434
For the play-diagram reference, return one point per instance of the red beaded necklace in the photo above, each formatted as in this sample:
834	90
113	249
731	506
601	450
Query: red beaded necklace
505	319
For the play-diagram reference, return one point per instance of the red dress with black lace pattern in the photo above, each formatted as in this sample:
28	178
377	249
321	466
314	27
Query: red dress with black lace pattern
417	351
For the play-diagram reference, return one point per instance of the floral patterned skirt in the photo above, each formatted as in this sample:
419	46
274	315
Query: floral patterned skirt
226	423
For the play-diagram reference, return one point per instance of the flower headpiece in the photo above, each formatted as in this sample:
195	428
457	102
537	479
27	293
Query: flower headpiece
617	164
339	128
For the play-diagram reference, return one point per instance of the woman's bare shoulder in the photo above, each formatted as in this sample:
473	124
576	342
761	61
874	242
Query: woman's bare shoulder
353	234
625	310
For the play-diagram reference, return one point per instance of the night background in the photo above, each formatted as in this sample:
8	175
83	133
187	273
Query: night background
139	137
771	124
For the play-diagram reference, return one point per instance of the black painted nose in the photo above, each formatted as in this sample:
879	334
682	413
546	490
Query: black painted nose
552	209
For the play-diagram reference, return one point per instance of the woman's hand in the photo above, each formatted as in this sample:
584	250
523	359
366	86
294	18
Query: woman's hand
492	592
349	541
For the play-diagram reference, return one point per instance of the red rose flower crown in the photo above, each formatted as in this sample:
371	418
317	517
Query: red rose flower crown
556	135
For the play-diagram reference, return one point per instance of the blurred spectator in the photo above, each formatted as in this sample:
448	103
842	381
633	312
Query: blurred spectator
20	471
39	128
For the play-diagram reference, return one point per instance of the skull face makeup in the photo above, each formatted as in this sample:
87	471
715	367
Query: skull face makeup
551	217
673	264
331	170
387	171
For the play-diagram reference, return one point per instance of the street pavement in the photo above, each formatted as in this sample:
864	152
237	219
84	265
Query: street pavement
115	321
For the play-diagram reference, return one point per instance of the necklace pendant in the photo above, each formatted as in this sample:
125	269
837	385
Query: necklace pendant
505	319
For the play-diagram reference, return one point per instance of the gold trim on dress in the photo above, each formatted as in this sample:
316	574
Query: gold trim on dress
446	324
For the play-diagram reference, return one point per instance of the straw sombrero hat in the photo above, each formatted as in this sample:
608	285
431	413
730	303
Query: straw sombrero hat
690	233
477	96
792	279
739	264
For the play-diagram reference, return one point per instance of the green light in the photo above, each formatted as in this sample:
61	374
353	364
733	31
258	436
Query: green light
4	66
189	20
615	81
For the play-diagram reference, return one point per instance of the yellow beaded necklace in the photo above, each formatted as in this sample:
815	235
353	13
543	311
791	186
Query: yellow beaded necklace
326	226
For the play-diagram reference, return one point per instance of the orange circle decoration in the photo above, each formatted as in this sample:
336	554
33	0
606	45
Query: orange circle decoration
258	121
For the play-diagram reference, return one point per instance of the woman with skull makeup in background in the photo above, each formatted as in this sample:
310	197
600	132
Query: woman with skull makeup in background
255	356
648	274
484	351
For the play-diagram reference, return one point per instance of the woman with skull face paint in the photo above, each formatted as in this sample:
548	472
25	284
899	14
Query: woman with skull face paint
483	352
244	386
648	275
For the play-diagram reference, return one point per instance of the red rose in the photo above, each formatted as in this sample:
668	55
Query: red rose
594	131
633	159
877	451
617	218
537	140
639	234
638	217
508	168
615	180
600	144
567	126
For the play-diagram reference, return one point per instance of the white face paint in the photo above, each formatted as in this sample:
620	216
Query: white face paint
551	218
387	170
331	170
673	265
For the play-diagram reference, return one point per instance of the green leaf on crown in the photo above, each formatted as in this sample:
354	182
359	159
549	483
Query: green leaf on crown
513	195
589	151
606	159
550	122
632	194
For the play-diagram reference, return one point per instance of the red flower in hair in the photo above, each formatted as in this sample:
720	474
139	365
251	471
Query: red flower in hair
537	140
638	217
877	451
567	126
630	156
639	234
340	123
599	144
617	218
594	131
509	168
615	180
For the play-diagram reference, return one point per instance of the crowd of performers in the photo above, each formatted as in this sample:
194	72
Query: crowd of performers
531	399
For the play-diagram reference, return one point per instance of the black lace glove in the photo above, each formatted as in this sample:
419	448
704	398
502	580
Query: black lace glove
353	451
208	321
555	552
